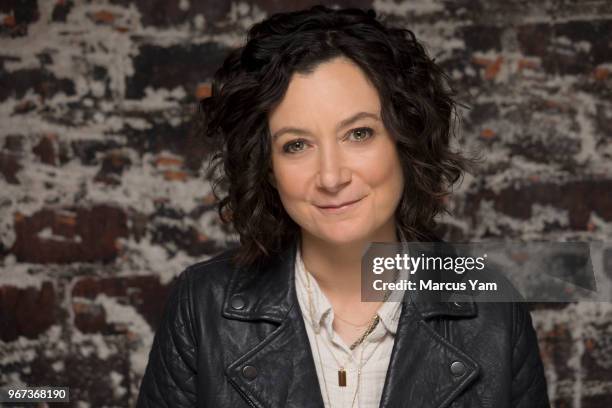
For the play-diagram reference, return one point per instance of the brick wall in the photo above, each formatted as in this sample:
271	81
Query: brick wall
103	200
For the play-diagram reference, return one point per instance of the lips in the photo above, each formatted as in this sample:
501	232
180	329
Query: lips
331	206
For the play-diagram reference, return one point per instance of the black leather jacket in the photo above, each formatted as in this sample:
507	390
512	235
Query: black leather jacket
235	337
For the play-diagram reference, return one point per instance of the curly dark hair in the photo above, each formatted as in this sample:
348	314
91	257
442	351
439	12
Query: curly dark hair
417	104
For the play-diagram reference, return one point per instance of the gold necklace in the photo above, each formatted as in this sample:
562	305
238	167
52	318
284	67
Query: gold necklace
375	319
366	333
350	323
373	323
341	371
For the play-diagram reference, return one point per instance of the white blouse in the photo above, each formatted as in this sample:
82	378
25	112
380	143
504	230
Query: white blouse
376	348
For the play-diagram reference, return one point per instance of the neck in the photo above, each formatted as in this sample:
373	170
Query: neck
337	267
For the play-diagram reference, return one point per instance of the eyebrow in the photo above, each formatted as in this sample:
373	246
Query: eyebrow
344	123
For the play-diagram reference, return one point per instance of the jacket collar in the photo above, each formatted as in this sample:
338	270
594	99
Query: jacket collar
419	368
276	279
265	291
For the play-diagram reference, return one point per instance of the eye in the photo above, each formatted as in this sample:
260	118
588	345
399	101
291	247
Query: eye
294	146
361	134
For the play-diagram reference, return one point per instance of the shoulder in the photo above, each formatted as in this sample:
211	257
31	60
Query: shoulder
514	315
214	273
215	266
501	322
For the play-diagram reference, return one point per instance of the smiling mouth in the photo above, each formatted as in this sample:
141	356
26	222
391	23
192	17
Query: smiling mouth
339	205
339	208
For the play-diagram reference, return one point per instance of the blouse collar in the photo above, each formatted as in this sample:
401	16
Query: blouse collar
388	312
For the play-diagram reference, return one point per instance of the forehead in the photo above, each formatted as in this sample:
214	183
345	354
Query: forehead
335	89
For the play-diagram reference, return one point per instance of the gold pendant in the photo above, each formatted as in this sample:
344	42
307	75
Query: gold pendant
342	377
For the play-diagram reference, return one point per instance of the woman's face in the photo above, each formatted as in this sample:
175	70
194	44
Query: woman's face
334	164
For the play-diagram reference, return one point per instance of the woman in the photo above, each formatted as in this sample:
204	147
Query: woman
333	132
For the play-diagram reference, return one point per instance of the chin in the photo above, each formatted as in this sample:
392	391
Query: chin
341	236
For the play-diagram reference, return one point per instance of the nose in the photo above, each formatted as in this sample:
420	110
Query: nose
333	175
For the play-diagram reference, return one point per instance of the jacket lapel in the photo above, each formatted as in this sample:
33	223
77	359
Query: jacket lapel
419	371
285	364
286	375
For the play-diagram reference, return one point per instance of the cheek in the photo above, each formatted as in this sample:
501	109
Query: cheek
294	199
290	184
386	175
389	189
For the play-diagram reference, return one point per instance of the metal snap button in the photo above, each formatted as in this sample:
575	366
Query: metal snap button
238	302
457	368
249	372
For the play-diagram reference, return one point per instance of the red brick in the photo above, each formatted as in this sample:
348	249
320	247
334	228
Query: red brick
26	311
113	164
145	293
46	150
555	347
9	167
98	229
89	375
579	198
